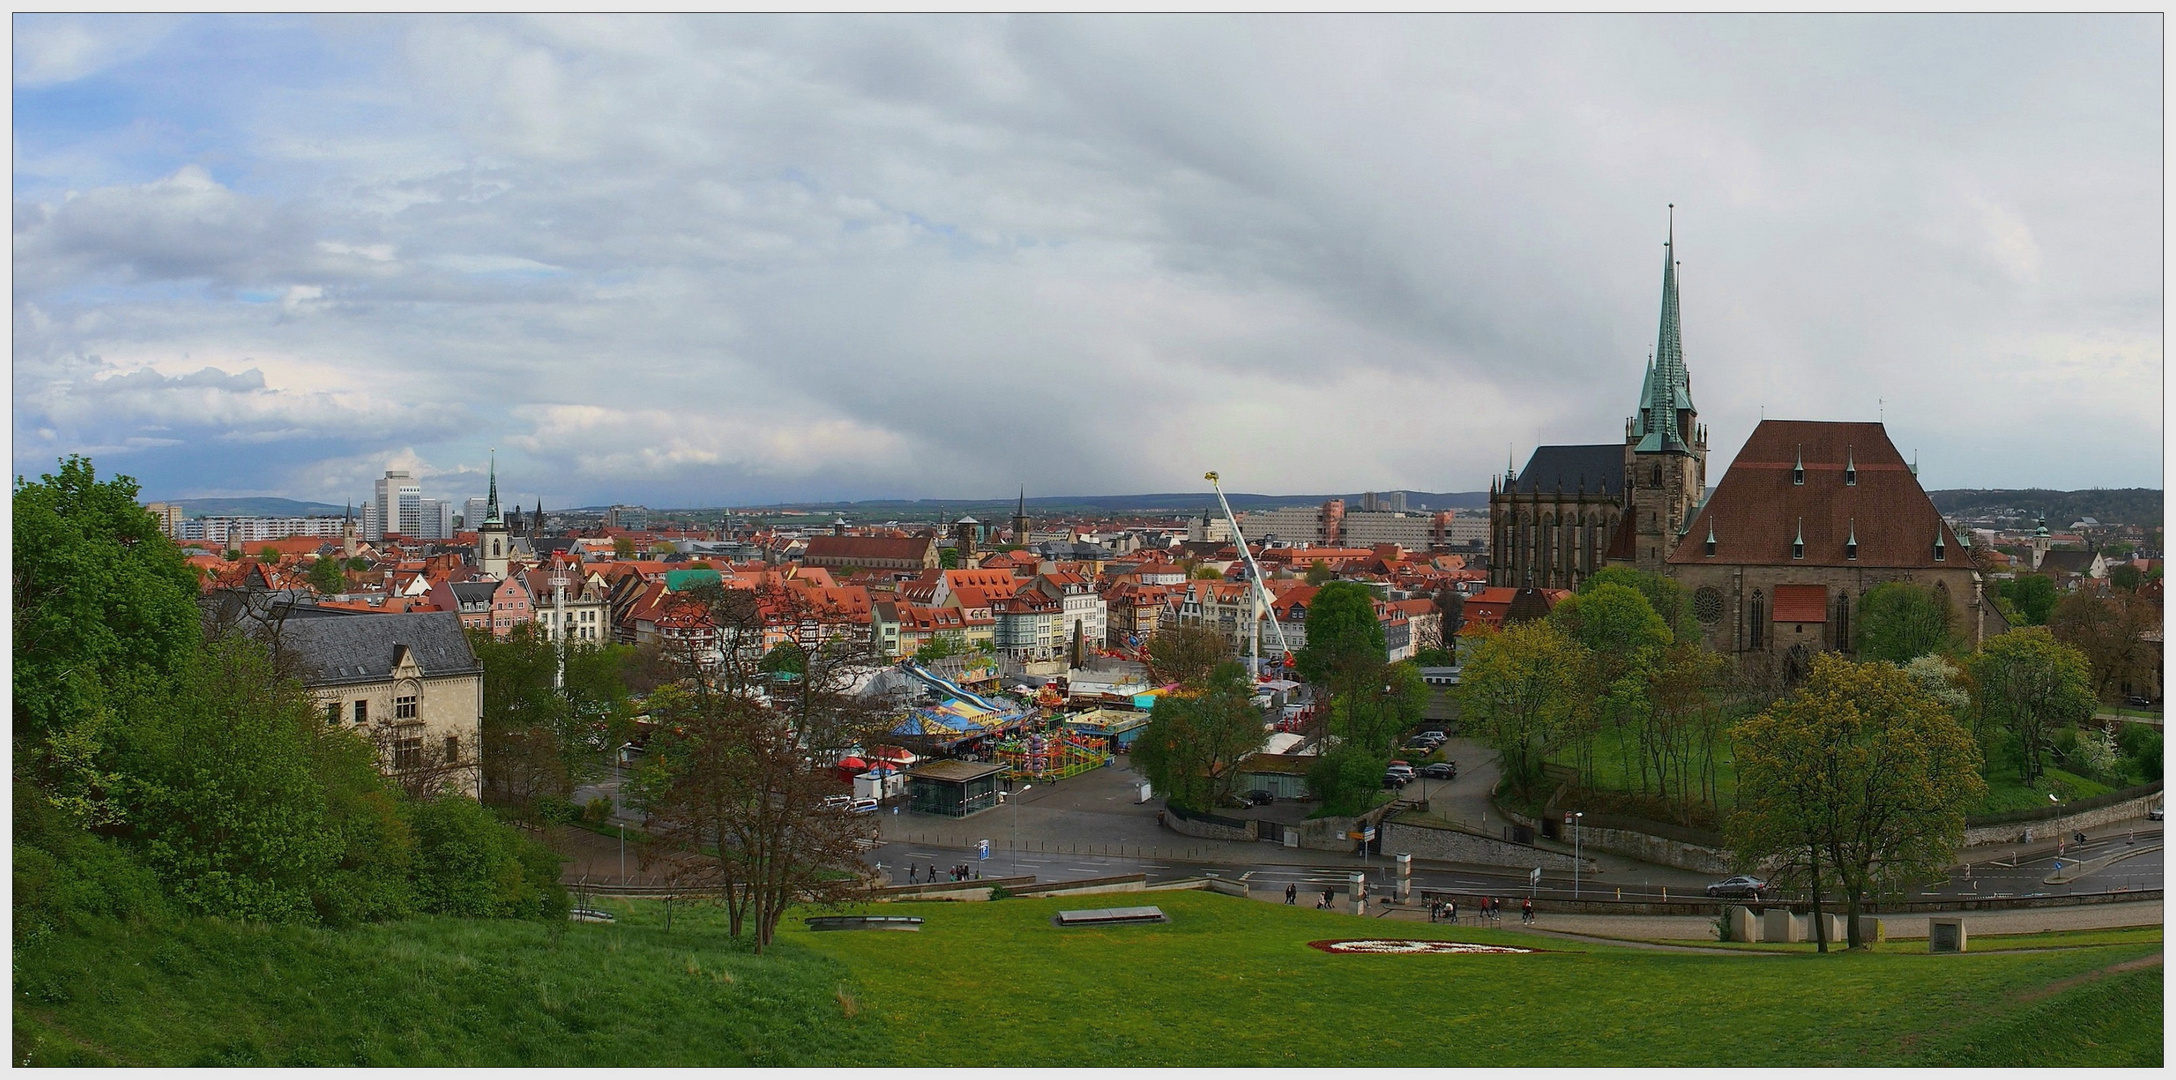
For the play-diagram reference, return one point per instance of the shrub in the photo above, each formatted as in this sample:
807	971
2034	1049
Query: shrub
2141	745
596	811
469	863
63	874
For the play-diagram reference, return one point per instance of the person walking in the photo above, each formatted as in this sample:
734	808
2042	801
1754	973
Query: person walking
1291	895
1452	910
1526	911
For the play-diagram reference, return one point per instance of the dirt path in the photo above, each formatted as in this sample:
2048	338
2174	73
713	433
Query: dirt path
2061	985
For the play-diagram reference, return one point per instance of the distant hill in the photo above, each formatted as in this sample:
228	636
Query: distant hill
261	507
998	510
2110	506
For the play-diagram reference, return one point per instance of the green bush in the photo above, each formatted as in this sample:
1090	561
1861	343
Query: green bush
555	810
1346	779
63	874
2141	746
469	863
597	811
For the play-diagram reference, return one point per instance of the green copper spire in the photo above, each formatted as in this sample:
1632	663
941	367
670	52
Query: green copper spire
491	504
1666	394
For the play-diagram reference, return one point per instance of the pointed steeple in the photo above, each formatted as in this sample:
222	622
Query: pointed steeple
491	502
1667	389
1021	510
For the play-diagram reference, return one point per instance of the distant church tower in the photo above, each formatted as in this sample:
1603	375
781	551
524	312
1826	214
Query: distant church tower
1020	519
492	545
1665	447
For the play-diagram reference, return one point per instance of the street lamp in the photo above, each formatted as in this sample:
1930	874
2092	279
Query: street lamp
1015	800
1577	815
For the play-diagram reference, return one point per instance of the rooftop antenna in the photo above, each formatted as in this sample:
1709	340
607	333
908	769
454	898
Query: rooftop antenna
1879	404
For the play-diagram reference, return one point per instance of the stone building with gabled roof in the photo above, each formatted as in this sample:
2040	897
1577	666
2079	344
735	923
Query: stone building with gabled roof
1810	516
409	683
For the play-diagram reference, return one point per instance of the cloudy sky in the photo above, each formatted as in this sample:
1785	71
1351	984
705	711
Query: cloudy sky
703	261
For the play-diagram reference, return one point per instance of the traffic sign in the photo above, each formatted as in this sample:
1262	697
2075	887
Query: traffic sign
982	848
1567	819
1535	877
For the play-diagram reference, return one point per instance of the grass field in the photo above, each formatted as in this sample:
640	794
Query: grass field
1226	982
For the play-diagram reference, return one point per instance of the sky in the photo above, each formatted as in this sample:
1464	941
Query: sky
729	260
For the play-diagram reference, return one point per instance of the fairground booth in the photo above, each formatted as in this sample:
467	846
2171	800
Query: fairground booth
953	788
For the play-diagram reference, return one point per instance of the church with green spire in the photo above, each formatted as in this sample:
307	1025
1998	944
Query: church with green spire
1575	509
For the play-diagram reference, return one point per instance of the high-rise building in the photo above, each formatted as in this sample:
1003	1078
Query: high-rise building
400	505
472	513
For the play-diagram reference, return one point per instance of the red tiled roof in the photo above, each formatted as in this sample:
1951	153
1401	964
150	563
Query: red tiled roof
1757	510
910	548
1801	603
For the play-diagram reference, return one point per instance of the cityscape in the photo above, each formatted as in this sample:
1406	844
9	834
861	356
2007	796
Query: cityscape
680	707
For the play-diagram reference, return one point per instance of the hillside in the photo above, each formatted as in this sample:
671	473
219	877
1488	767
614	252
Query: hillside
262	506
2112	506
1227	982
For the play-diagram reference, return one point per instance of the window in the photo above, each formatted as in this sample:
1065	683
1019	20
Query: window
1758	630
1939	550
1707	605
362	712
404	708
332	712
1654	476
408	754
1851	548
453	749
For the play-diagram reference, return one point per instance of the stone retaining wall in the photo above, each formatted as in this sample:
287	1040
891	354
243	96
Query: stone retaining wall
1205	830
1445	843
2014	832
1645	847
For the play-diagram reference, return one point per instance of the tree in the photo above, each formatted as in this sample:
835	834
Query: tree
940	647
1186	654
729	787
358	564
1345	644
2111	632
1319	573
268	554
2125	576
1860	777
1519	690
2031	685
1451	606
2033	596
1620	641
1899	621
1346	778
326	577
1196	738
540	742
1664	595
623	547
1207	573
785	658
949	558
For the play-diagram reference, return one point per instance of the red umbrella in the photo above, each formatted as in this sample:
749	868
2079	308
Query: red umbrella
853	763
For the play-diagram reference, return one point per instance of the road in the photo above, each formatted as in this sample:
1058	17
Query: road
1984	878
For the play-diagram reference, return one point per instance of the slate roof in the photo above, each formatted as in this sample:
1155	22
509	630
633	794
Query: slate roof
1599	466
2067	562
1757	511
364	648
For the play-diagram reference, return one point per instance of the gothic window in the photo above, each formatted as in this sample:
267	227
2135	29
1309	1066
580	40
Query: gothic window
404	708
1654	475
1707	605
1759	628
1843	622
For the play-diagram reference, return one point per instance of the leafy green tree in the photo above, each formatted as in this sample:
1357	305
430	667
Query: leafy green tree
469	864
1900	621
1186	654
1434	657
358	564
2032	685
1208	573
268	554
1347	778
1319	573
623	547
2125	577
1860	777
2032	596
949	558
1345	645
1664	595
940	647
1519	691
540	742
326	578
1195	739
1621	641
785	658
105	612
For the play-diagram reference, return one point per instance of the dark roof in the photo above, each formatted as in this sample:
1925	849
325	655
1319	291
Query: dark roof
1757	511
2066	562
1599	467
955	771
364	648
473	592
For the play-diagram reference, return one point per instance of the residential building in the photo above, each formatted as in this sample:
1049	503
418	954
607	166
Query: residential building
409	683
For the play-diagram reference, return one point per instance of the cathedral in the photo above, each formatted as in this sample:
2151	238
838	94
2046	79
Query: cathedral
1575	509
1811	515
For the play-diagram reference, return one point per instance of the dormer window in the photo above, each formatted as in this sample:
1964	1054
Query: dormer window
1940	552
1710	546
1851	469
1798	541
1798	470
1851	545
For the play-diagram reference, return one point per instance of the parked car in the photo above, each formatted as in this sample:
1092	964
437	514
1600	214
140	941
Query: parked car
1403	771
838	801
1392	781
1260	797
2156	814
2139	702
1745	885
865	806
1441	770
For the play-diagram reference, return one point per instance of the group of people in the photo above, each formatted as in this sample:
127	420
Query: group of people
1490	910
962	872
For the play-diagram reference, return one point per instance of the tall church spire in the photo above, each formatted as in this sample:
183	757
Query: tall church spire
1666	408
491	503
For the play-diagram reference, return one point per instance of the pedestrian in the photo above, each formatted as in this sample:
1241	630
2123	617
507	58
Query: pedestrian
1452	911
1291	895
1526	911
913	870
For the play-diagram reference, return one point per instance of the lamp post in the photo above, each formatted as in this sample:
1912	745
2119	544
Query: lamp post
1577	815
623	854
1016	828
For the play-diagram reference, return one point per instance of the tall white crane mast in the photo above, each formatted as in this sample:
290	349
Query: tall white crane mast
1260	591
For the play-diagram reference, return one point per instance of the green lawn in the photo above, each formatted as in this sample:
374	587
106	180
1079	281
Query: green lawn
1226	982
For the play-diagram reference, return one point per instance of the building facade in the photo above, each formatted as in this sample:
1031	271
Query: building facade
408	683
